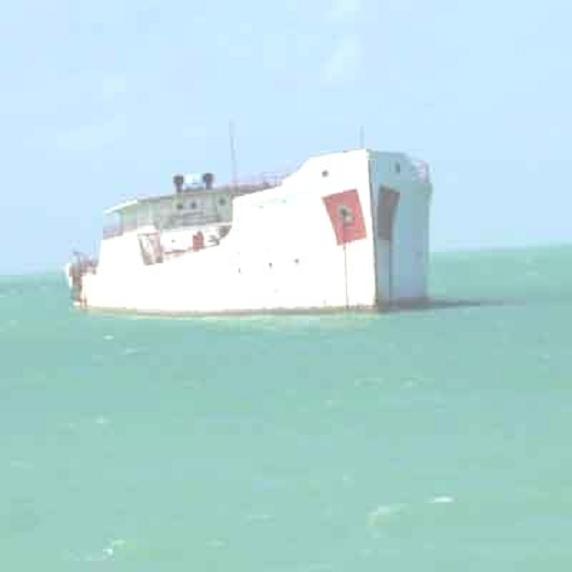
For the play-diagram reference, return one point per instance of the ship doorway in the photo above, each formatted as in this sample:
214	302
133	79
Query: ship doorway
387	205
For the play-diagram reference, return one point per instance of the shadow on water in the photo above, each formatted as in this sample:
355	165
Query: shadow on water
444	303
447	304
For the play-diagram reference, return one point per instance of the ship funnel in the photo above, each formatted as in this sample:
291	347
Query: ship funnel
179	181
208	180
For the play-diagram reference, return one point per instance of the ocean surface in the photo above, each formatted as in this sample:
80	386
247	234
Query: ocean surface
428	440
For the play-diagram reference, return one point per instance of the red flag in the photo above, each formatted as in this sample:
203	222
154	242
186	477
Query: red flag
346	216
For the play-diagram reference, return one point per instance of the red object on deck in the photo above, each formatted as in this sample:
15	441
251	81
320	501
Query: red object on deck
198	241
344	210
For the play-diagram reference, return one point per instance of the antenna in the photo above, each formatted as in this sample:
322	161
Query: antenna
361	137
232	153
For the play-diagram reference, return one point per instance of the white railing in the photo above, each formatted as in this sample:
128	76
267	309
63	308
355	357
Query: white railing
258	182
422	169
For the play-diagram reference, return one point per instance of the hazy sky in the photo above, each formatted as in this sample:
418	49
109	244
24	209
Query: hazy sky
104	100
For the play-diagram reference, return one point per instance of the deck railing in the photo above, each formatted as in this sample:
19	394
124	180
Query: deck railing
422	169
243	186
112	230
254	183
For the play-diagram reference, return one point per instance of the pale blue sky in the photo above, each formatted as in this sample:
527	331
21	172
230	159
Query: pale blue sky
104	100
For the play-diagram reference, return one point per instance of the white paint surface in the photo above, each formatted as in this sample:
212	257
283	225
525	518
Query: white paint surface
281	252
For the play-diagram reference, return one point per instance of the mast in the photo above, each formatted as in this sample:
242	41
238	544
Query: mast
231	137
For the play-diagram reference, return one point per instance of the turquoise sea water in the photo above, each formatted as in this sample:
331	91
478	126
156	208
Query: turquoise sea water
422	440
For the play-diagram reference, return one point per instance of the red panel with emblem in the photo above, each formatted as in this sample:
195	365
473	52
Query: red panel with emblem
344	210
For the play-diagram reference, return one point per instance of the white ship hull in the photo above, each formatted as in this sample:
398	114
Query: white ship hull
314	243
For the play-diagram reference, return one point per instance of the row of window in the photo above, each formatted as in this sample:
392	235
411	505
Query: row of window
193	205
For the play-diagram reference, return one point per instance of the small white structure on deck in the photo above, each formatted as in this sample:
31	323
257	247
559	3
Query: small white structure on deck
347	230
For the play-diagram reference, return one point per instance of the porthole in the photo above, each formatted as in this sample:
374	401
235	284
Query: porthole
325	173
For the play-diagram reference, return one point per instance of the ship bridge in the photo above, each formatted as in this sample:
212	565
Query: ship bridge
197	215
